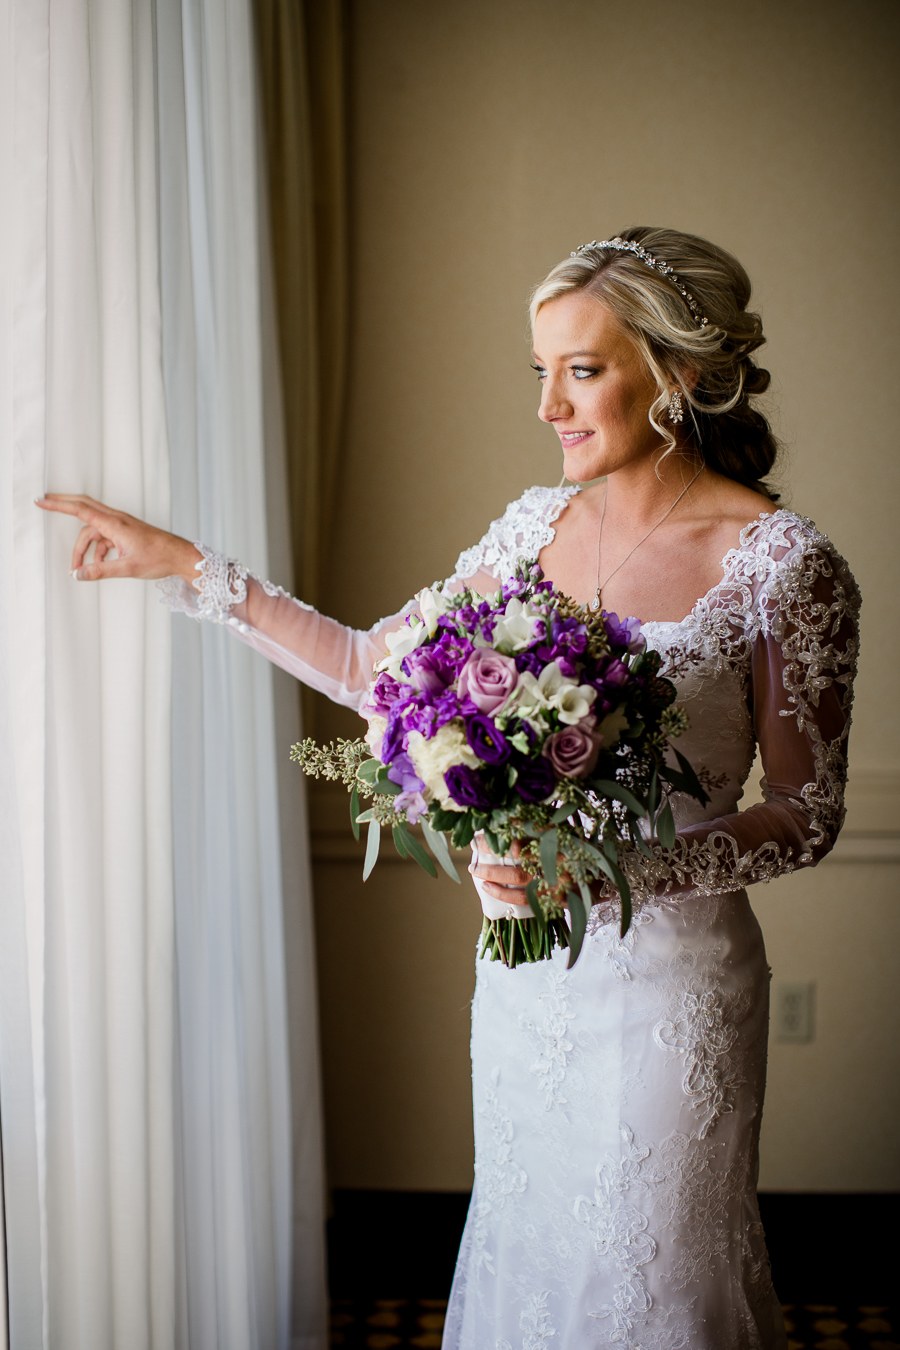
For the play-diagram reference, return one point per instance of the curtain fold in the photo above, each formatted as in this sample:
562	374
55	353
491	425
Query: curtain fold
145	1089
301	50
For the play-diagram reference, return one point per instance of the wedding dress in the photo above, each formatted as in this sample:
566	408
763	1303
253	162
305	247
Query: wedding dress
617	1105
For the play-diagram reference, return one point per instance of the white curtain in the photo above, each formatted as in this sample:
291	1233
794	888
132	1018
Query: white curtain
145	1100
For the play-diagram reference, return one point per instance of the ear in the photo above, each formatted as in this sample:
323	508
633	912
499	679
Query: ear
687	379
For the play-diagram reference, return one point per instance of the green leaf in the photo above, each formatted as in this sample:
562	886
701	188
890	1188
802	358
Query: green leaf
654	794
563	812
373	843
531	895
492	842
608	788
438	845
463	832
398	841
368	770
444	821
387	787
415	850
366	817
689	781
665	827
549	850
354	812
579	908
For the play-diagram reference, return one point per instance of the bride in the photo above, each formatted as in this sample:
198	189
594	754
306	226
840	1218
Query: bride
617	1105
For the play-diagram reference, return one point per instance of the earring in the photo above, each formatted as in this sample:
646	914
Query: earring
675	410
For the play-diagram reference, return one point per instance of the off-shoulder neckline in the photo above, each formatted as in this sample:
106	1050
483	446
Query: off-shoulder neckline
727	562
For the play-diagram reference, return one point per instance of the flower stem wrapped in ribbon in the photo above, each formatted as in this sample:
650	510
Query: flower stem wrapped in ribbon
517	716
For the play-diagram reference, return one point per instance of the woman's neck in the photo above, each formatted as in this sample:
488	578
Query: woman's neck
638	494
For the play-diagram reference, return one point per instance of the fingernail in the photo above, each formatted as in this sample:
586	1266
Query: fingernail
78	575
38	500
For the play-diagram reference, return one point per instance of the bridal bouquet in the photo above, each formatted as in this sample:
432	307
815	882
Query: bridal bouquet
517	717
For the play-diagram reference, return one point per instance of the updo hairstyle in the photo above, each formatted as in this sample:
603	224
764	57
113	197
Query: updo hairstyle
733	438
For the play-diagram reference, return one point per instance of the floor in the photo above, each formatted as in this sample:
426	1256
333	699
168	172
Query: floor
823	1250
398	1323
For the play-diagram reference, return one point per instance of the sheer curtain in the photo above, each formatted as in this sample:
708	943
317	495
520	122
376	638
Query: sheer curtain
145	1099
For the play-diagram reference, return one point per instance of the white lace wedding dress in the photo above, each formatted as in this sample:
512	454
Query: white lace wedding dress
617	1105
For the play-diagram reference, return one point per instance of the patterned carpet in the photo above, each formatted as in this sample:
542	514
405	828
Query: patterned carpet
396	1323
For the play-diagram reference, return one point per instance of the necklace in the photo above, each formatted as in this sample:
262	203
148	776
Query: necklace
595	603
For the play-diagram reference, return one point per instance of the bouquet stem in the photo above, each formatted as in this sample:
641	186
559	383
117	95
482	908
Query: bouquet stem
514	941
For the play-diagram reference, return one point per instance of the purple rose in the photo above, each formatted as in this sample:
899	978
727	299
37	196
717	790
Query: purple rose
624	632
487	740
573	751
384	694
427	671
488	678
466	788
536	779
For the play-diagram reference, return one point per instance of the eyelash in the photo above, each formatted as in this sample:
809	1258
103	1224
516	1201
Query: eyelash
589	371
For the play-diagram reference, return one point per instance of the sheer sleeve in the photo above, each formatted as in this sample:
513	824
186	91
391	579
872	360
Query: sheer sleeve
801	649
322	653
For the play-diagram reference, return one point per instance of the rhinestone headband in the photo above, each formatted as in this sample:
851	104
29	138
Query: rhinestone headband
651	260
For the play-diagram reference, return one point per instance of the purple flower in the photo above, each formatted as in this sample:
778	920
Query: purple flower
487	740
573	750
427	670
394	734
536	779
384	694
624	633
488	678
614	674
530	661
413	803
466	787
402	771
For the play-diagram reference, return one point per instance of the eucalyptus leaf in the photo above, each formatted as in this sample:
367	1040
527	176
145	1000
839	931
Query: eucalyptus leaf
366	817
415	850
368	770
387	787
531	895
354	812
373	844
579	909
665	827
562	813
608	788
654	794
549	850
438	845
398	841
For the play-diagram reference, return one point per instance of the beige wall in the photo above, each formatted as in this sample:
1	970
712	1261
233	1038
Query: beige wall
489	139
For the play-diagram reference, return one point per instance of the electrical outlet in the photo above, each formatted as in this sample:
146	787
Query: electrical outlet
792	1010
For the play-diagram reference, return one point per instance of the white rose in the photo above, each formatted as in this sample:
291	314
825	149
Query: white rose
400	644
432	758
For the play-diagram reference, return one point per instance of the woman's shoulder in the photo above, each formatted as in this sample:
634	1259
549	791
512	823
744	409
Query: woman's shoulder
525	527
785	556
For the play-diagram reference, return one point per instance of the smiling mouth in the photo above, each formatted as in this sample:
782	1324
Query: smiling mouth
568	437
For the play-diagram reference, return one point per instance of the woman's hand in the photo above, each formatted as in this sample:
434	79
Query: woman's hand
501	881
142	549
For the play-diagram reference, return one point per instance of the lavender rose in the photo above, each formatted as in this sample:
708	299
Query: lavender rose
488	678
573	751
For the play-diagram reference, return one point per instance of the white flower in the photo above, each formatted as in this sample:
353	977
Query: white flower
432	604
432	758
553	690
516	629
375	735
613	725
400	644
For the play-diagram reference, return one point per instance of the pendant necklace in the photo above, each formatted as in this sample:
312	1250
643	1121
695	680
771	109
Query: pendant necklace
595	603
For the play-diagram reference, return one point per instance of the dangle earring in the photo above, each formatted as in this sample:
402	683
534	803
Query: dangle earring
675	410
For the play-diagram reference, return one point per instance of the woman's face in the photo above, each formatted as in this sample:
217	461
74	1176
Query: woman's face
596	391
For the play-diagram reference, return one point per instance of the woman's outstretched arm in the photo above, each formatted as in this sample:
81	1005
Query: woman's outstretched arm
324	654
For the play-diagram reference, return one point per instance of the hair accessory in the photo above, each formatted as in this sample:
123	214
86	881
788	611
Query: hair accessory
651	260
675	410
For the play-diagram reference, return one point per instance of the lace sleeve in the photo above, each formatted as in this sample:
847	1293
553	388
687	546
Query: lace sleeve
322	653
803	643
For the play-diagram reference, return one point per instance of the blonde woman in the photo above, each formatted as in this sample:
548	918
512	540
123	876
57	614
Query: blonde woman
617	1106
